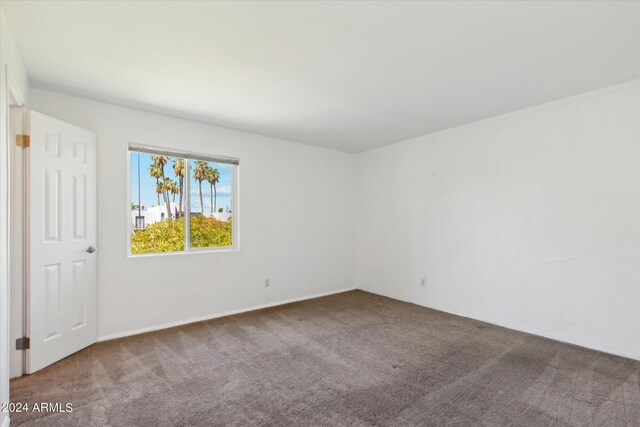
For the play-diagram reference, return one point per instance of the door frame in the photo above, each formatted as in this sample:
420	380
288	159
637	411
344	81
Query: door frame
10	94
17	159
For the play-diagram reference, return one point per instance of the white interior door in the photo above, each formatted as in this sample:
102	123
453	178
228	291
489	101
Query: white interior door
62	238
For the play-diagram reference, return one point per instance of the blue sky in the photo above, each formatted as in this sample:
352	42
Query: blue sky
148	195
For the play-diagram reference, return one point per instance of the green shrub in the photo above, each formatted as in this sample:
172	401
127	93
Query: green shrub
209	232
168	235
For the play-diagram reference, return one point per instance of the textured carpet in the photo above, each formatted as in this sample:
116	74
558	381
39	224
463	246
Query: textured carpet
348	359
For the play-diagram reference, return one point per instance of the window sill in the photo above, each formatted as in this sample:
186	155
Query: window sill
189	252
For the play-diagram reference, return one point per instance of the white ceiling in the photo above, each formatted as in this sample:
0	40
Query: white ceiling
345	75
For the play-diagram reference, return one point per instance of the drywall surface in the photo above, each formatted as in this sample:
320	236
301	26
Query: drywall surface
295	218
530	220
11	68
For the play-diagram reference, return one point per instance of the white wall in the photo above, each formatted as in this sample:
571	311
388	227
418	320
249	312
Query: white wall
530	220
10	64
296	220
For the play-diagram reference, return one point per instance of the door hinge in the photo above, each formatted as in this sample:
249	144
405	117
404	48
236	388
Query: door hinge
23	141
23	343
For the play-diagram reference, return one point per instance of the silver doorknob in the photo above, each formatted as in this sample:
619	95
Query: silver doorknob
91	249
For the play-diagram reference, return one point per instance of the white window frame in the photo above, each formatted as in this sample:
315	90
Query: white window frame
189	156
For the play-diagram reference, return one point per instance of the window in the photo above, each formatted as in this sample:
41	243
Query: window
181	202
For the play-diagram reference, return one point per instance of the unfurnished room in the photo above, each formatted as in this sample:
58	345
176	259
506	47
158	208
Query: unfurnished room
319	213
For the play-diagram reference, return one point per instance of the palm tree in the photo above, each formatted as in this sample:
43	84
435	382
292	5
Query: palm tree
200	174
178	170
174	189
160	161
160	190
213	176
167	186
156	172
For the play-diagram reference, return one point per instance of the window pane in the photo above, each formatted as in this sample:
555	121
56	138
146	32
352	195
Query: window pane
156	203
211	217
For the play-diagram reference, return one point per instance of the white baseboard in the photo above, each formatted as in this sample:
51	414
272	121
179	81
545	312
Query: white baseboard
214	316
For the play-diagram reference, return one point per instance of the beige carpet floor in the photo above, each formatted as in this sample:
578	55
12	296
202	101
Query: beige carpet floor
349	359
